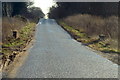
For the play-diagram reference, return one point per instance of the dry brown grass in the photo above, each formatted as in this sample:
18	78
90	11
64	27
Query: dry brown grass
94	25
12	46
87	32
10	24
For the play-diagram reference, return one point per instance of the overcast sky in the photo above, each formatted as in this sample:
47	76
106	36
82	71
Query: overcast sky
44	4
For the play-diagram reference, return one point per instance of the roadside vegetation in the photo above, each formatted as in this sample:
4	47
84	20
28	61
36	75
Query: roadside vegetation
93	24
95	32
18	26
11	45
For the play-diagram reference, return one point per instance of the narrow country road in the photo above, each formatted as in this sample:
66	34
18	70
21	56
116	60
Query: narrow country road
56	55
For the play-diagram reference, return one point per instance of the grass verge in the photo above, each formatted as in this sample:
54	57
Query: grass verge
93	42
13	46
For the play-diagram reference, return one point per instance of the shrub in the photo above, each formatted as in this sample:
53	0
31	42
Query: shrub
10	24
94	25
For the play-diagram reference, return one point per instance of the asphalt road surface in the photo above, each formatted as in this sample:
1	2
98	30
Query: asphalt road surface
56	55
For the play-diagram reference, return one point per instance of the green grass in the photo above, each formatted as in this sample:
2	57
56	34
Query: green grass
24	35
25	31
83	37
14	43
72	30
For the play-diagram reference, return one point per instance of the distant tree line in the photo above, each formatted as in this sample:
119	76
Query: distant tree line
11	9
65	9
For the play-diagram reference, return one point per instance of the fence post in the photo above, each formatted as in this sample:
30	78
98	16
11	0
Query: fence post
15	34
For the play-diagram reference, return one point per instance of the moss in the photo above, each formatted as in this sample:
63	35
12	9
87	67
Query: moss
94	43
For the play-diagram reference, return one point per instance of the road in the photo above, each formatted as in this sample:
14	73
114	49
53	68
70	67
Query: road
56	55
